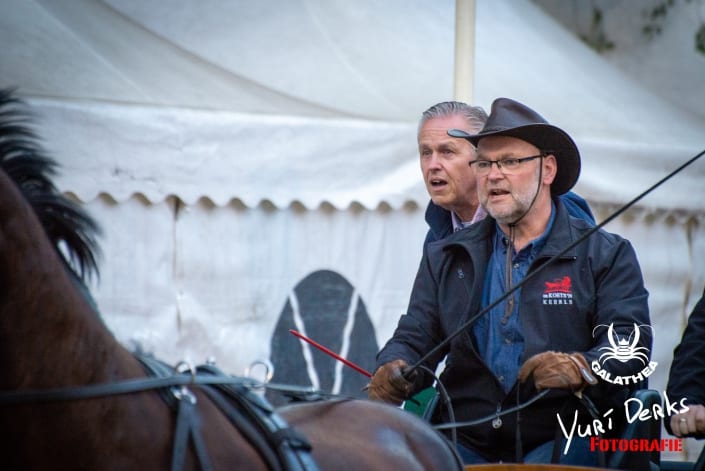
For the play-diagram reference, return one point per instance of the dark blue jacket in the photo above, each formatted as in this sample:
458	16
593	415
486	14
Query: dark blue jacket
604	284
687	376
441	225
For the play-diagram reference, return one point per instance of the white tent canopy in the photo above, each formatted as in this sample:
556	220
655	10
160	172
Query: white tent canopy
232	148
260	86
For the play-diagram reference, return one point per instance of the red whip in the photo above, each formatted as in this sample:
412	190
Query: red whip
331	353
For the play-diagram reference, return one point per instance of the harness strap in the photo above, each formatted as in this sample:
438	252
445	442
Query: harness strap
292	448
188	422
281	447
188	426
245	426
291	437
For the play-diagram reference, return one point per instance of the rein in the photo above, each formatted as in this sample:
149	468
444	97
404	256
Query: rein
468	423
129	386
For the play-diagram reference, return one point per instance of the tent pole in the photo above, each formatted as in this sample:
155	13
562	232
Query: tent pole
464	50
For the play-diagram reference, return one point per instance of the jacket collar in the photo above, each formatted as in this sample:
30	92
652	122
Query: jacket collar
438	220
471	239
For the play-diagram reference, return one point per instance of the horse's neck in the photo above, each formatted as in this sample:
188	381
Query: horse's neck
49	334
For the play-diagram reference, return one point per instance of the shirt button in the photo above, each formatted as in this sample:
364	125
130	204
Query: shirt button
516	265
507	340
501	379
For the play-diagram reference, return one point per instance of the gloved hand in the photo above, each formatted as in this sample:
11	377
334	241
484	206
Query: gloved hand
388	383
557	370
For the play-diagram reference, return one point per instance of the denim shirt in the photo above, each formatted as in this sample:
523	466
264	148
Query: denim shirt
499	338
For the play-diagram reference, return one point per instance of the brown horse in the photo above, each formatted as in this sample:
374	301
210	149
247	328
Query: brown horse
52	339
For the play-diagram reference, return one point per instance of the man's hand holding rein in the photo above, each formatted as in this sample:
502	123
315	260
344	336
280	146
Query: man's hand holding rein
557	370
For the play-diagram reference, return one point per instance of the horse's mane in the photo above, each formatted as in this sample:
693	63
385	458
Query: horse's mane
71	230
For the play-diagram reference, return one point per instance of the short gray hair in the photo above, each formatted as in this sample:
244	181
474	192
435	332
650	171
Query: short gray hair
474	115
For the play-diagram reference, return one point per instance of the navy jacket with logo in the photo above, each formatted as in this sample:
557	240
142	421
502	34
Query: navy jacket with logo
601	285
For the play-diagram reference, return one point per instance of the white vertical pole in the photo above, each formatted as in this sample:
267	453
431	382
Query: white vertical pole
464	50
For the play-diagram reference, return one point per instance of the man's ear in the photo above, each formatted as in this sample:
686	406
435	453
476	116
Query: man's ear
550	168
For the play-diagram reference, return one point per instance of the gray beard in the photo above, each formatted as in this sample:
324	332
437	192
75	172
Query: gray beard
522	205
511	216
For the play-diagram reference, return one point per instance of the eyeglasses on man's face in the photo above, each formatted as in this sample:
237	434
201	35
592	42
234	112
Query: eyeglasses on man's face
506	166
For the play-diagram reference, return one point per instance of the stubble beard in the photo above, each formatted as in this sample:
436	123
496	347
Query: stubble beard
519	206
508	215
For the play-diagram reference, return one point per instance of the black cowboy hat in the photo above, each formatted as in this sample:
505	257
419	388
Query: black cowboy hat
513	119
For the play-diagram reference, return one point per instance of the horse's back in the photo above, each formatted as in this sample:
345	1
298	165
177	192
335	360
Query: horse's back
356	434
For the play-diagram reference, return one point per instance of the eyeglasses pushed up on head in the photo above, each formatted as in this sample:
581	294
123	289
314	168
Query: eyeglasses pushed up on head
506	166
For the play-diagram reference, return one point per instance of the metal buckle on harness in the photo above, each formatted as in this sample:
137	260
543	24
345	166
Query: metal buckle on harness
183	392
268	370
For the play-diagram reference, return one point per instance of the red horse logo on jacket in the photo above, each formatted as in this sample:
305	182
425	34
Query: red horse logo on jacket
562	285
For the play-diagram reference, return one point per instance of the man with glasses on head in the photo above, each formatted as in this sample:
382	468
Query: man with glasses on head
449	180
541	336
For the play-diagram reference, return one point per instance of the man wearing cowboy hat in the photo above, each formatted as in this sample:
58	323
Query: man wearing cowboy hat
449	180
541	336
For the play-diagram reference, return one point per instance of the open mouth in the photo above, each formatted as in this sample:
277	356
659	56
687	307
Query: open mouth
437	182
497	193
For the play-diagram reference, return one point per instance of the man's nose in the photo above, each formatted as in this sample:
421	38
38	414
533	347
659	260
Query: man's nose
495	173
435	161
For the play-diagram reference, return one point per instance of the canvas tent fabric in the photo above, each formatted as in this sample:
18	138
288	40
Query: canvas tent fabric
232	149
647	58
173	117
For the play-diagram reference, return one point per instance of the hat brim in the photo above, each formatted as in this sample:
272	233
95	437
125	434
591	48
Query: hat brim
546	138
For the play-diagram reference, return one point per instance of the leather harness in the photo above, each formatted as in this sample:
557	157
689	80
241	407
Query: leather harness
280	446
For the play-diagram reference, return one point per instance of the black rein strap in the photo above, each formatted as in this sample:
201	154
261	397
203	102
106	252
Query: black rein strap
128	386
